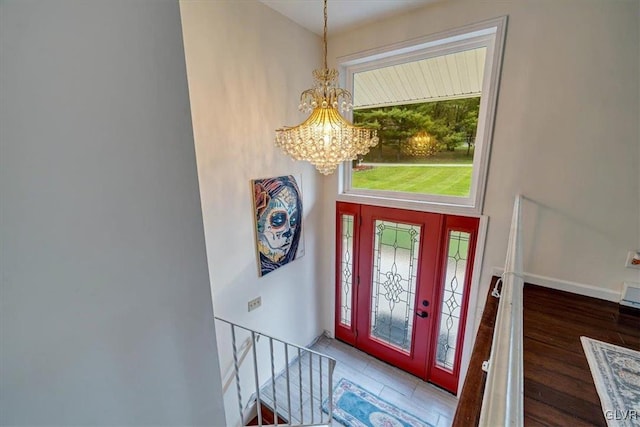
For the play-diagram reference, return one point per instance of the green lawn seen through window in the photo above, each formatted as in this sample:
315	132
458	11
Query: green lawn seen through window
432	179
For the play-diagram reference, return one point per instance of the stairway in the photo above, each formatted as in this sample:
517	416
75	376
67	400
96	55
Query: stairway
287	379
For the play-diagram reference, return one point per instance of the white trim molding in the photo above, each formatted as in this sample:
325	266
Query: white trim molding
489	34
566	285
472	320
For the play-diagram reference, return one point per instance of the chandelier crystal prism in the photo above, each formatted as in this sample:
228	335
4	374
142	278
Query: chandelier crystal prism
325	139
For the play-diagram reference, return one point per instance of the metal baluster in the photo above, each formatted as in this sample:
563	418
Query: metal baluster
239	354
255	373
311	386
273	383
320	412
300	384
236	368
286	356
332	365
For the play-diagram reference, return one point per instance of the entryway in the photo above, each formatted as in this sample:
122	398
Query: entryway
402	287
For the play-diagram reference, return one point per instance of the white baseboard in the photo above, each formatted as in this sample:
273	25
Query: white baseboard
567	286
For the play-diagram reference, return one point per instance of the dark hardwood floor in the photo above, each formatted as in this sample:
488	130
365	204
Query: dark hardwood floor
470	399
558	387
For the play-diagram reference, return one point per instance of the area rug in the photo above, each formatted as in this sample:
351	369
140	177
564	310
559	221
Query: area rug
354	406
616	373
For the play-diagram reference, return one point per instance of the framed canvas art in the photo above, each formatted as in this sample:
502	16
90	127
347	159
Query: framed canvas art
278	217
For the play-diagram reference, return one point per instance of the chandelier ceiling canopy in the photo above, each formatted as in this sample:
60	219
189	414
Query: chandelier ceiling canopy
325	138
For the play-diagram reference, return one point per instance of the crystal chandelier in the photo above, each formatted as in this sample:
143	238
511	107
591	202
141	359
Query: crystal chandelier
325	139
420	145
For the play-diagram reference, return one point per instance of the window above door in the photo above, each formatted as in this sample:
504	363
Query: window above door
433	102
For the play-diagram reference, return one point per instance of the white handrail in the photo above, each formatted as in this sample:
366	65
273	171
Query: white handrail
503	400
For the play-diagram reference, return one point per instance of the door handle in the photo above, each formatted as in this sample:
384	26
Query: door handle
422	314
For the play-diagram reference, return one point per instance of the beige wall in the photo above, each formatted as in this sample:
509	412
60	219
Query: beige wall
566	133
246	67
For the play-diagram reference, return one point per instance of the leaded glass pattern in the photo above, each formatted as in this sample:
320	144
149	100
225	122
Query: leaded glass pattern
395	262
346	270
457	254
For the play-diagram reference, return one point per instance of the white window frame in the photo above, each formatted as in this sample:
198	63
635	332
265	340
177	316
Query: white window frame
489	34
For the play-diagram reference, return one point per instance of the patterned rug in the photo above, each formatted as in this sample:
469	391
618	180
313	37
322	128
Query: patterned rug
616	373
353	406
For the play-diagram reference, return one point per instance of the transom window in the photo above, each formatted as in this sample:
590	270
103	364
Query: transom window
432	102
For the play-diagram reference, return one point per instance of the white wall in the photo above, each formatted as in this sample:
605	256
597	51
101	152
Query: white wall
246	67
566	133
105	308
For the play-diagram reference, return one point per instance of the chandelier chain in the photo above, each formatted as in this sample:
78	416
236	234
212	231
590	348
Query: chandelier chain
324	37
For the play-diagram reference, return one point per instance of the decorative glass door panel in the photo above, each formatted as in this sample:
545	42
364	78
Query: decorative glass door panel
395	262
457	253
459	242
347	237
346	269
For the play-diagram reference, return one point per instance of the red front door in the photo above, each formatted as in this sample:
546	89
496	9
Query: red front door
398	252
395	300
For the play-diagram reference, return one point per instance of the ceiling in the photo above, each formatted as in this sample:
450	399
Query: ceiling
342	14
450	76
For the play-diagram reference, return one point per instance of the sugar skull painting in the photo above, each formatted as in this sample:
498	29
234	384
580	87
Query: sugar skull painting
278	216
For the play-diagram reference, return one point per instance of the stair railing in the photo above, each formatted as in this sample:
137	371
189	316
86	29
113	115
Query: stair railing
300	380
503	399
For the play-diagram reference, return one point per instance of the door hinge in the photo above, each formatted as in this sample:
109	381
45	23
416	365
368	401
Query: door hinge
358	280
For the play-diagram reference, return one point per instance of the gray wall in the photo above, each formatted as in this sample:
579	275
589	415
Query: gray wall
106	313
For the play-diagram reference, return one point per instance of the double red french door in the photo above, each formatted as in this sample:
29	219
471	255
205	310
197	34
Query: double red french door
402	284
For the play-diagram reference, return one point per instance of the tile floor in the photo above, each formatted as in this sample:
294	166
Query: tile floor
405	391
